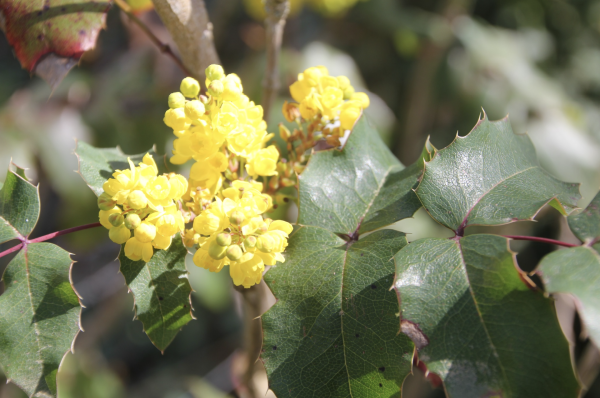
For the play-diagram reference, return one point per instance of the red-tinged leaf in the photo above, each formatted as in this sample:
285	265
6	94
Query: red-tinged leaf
64	28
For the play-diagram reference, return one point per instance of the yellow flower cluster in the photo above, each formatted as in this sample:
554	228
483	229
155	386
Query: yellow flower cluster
327	98
220	132
139	200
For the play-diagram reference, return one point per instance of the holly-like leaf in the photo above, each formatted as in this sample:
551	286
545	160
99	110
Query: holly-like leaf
489	333
576	271
358	189
162	292
49	37
334	330
490	177
96	165
39	310
19	207
586	224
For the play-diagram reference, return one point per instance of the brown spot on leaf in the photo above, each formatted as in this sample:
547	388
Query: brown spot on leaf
414	332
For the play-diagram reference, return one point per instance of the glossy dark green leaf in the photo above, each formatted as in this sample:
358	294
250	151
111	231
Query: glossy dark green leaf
334	330
162	292
19	207
490	177
576	271
96	165
39	317
586	224
489	333
358	189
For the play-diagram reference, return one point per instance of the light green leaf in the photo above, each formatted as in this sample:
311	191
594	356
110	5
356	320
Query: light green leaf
334	331
489	334
39	317
359	189
19	207
490	177
586	224
576	271
162	292
96	165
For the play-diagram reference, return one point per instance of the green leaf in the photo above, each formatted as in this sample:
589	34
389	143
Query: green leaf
490	177
586	224
489	333
359	189
162	292
96	165
39	317
48	37
576	271
19	207
334	330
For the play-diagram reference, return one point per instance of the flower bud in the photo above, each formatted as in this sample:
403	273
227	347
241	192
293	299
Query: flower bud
137	200
223	239
290	111
234	252
215	88
190	87
119	234
194	110
215	72
237	218
132	221
265	243
176	100
217	251
106	202
115	219
284	133
250	241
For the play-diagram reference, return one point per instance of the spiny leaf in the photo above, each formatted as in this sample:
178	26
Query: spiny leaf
586	224
96	165
334	331
19	207
359	189
490	177
52	32
161	291
489	334
576	271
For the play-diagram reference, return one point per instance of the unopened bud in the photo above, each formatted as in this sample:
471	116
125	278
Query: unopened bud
250	241
106	202
284	133
194	110
132	221
217	251
286	182
223	239
234	252
137	200
215	88
190	87
115	219
176	100
214	72
237	218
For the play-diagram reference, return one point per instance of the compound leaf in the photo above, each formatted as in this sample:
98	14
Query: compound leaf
334	330
96	165
49	37
358	189
162	292
490	177
489	333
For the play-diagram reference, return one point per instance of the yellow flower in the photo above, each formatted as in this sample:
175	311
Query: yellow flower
348	117
175	118
145	232
136	250
362	98
190	87
247	271
263	162
104	214
119	234
310	106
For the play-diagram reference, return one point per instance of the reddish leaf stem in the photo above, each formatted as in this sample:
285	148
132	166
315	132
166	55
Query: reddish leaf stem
543	240
25	241
163	47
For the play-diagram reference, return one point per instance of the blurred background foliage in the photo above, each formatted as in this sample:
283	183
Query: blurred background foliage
430	66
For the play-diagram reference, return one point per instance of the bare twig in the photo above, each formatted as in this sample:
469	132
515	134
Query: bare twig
188	23
277	11
163	47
